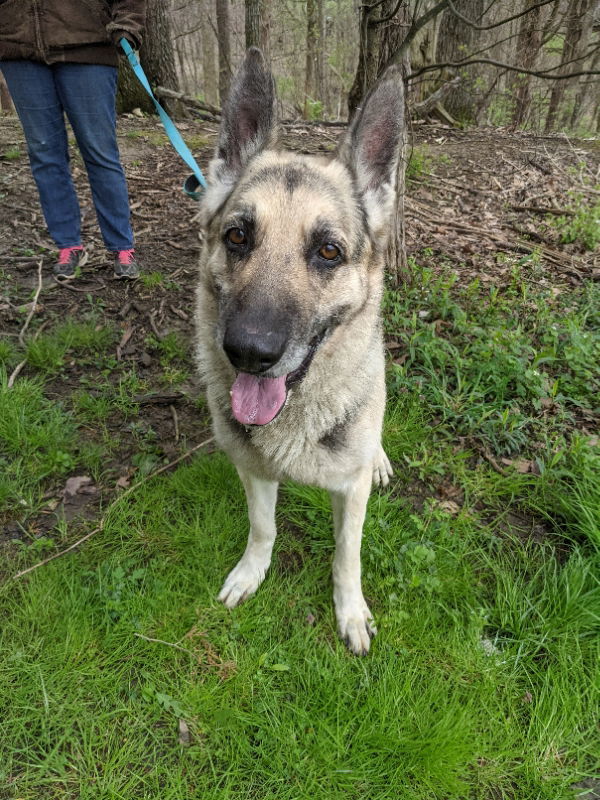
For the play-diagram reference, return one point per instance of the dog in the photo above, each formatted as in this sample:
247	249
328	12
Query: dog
289	335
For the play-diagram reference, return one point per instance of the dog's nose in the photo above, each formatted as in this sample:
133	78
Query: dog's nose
253	351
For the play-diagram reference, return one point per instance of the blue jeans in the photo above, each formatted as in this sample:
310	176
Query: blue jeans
42	94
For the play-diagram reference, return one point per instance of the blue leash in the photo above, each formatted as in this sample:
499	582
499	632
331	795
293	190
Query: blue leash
192	182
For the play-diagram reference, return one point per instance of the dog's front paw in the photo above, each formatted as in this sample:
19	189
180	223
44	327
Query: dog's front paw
382	469
356	627
243	580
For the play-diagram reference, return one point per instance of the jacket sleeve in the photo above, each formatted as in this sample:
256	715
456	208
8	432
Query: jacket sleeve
128	19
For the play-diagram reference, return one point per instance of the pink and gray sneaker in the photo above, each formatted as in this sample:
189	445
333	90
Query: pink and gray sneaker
125	265
69	261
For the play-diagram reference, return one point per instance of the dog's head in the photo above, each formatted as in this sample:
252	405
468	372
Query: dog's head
294	244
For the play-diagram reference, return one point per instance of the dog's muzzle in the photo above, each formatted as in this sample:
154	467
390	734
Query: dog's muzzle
255	398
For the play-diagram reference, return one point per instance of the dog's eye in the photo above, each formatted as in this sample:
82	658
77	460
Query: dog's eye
236	236
329	252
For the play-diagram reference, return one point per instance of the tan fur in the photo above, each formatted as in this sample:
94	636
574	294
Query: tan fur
329	431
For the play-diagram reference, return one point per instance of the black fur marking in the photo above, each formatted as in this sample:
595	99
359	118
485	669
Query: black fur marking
335	438
292	176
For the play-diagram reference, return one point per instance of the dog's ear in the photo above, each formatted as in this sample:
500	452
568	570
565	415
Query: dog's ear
371	146
248	122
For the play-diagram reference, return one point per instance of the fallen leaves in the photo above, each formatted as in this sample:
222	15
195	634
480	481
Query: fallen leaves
78	484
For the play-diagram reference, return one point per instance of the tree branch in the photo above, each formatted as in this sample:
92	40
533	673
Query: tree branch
412	32
547	74
474	25
373	22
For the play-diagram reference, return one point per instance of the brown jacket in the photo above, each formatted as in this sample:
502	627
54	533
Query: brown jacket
52	31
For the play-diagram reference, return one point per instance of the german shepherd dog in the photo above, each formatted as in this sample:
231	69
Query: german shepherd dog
289	339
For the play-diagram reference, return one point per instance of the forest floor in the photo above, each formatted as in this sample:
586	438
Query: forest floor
481	561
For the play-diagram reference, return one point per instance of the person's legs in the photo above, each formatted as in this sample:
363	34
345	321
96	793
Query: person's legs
39	107
87	92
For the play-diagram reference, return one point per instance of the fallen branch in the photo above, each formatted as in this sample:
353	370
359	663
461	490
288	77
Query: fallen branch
544	210
168	644
427	105
187	100
562	262
127	492
32	310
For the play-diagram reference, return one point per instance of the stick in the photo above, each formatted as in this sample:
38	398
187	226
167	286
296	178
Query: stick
111	506
169	644
19	367
33	308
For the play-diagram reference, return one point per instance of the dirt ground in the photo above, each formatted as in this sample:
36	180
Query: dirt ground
475	195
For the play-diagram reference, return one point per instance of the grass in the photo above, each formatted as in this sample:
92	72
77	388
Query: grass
122	677
583	226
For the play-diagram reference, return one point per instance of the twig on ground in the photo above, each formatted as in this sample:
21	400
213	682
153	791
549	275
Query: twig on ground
168	644
34	306
127	492
32	310
154	326
175	422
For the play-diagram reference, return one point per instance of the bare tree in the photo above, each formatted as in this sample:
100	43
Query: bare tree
157	58
224	44
6	103
578	26
383	27
258	24
529	41
313	84
456	38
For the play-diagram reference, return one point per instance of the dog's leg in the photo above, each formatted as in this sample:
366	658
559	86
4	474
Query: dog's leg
354	619
245	578
382	469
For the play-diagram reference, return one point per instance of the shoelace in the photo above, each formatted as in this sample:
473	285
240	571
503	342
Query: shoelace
64	254
126	256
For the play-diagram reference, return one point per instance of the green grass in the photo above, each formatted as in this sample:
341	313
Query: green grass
49	351
484	679
37	443
583	226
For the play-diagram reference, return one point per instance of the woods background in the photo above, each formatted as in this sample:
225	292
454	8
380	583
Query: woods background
522	63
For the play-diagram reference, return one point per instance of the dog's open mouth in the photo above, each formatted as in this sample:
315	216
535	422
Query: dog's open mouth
256	400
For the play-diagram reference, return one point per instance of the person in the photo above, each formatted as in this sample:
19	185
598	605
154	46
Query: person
60	57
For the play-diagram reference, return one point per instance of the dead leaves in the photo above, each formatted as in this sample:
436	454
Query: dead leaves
78	484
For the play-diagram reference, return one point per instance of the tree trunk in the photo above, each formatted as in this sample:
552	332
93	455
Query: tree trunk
529	42
582	99
6	104
456	40
579	23
313	85
383	28
209	84
258	23
158	61
224	43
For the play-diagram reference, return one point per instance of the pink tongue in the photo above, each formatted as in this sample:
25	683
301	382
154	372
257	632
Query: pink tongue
256	401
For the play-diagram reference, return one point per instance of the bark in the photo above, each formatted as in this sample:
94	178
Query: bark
583	98
456	40
158	61
313	85
529	42
258	24
383	27
209	56
578	25
6	104
224	43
